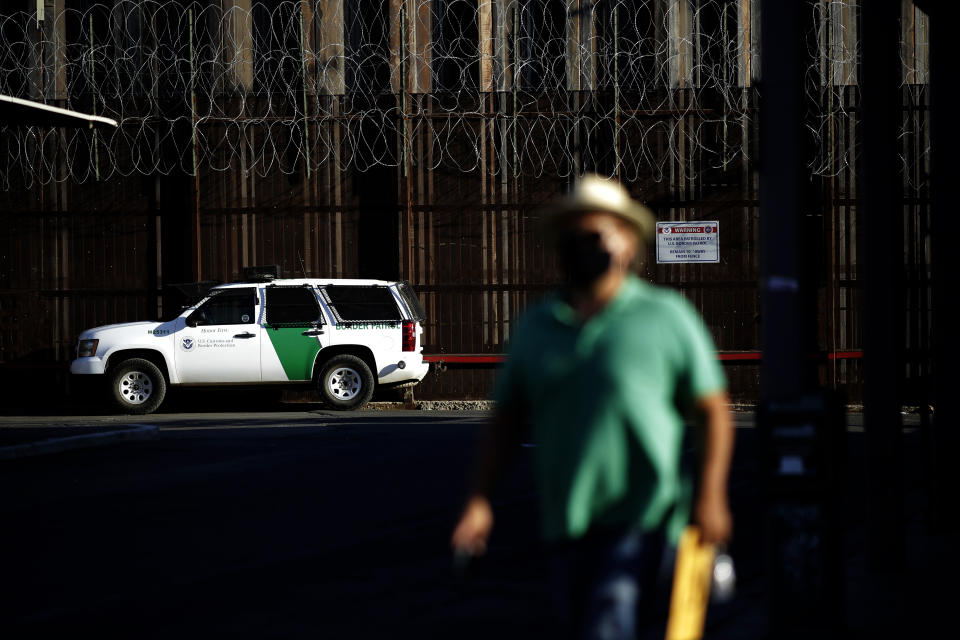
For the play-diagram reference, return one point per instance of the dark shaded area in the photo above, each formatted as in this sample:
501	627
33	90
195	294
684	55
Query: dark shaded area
376	186
881	253
13	436
456	55
782	174
377	192
800	423
309	525
942	436
378	228
285	532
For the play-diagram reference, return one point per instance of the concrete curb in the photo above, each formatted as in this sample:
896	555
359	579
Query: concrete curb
487	405
455	405
432	405
479	405
135	433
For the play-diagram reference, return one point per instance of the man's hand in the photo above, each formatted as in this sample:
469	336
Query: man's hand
712	515
474	528
499	446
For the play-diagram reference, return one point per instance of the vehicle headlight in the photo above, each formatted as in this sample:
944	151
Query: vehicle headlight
87	348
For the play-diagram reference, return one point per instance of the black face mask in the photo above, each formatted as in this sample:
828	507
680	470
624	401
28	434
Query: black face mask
583	258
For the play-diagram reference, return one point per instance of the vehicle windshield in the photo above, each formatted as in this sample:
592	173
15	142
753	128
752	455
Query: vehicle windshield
177	298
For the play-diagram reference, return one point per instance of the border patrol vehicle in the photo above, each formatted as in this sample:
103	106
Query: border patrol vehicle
344	337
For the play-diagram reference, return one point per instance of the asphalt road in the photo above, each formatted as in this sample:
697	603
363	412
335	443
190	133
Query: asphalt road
287	524
296	524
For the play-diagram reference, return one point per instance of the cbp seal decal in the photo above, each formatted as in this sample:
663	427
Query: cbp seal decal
187	344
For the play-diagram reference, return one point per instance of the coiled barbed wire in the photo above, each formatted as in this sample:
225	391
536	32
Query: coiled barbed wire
626	87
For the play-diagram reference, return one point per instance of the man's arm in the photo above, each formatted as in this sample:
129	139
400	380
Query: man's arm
496	453
712	511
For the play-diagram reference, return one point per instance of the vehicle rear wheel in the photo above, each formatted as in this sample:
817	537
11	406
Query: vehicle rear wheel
138	386
346	382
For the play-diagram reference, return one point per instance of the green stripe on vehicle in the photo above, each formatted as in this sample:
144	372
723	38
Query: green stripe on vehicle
295	351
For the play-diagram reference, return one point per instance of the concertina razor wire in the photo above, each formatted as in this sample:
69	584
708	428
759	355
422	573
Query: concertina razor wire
533	87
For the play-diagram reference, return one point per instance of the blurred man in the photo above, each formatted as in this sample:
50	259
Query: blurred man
604	372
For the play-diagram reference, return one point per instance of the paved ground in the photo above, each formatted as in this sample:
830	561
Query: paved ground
309	523
259	526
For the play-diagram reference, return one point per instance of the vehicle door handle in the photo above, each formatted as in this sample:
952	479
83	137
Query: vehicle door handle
246	334
312	332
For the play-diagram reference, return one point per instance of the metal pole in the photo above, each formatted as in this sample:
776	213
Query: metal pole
946	272
195	213
303	72
800	426
781	192
93	92
407	237
616	92
516	80
881	253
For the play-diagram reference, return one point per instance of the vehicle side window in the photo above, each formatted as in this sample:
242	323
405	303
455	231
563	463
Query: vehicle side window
412	301
229	306
291	306
361	304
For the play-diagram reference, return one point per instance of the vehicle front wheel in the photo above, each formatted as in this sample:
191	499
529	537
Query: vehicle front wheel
138	386
346	382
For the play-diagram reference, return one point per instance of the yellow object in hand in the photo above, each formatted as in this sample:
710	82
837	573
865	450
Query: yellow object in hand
691	587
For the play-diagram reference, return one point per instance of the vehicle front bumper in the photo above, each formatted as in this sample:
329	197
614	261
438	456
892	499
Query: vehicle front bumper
91	365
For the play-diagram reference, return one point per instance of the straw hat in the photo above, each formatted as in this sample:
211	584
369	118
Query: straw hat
595	193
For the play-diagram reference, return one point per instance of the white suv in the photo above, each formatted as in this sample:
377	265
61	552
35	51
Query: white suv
344	336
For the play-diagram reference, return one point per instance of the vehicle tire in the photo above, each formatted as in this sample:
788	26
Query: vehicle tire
346	382
138	386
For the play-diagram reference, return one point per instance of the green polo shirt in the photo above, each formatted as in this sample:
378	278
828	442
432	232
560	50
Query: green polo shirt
606	399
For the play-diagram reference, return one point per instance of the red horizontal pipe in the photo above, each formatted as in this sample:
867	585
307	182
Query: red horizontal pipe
845	355
738	355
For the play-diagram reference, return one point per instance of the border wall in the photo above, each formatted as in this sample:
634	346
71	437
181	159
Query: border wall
417	140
